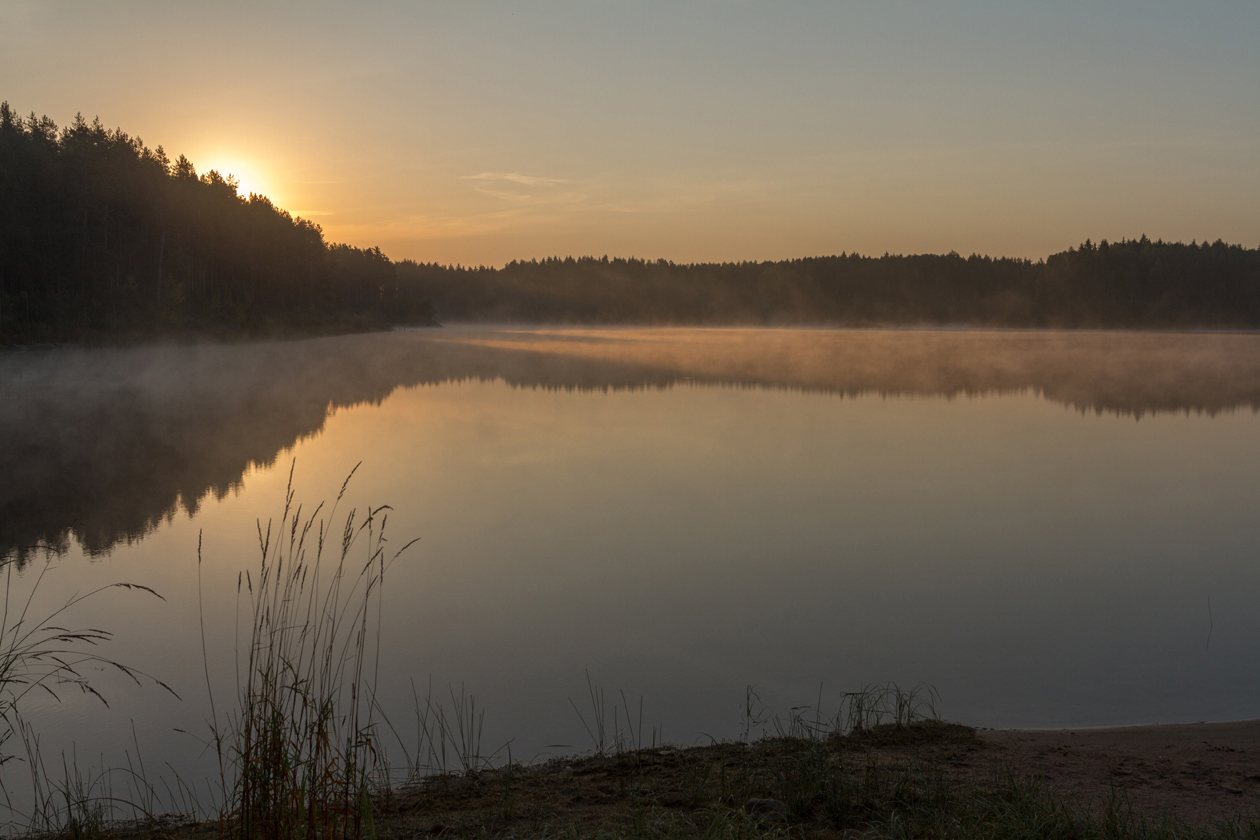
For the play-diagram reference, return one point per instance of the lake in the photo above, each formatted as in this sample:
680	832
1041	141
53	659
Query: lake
1051	529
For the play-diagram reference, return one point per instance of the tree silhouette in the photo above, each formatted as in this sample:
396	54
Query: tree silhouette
99	233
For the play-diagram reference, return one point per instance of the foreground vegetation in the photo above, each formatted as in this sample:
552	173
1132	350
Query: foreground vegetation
893	781
102	236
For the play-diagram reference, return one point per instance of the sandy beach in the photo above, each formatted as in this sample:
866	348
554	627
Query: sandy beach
1197	772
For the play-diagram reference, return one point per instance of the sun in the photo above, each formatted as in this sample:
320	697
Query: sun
249	176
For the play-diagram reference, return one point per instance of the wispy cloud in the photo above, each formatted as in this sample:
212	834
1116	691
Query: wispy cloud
422	226
513	202
517	178
534	196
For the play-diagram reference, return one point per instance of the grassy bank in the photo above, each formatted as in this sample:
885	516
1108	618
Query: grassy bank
891	782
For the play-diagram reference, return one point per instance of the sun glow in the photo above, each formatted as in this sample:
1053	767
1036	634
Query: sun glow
249	177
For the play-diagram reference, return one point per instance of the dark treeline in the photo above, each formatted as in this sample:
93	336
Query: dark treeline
1130	284
99	233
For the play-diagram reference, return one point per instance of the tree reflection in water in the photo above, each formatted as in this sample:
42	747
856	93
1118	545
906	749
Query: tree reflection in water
102	445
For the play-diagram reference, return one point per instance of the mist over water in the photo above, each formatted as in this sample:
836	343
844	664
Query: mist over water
105	443
1033	522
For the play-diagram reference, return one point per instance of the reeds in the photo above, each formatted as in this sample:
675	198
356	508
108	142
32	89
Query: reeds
298	752
447	742
40	655
871	708
624	735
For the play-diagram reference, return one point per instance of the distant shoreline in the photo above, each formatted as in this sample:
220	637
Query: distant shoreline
225	334
841	327
237	335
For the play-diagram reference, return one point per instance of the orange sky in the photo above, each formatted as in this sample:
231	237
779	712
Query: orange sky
480	133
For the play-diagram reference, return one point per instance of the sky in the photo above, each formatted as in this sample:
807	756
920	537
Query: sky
479	133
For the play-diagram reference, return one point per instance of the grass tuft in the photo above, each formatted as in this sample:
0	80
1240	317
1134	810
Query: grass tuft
298	753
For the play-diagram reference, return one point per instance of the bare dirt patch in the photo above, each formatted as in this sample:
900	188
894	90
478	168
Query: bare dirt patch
1198	772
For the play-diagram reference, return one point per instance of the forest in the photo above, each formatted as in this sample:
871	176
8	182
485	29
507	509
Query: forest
101	236
1123	285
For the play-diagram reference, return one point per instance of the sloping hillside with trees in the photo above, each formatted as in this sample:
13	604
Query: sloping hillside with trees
101	234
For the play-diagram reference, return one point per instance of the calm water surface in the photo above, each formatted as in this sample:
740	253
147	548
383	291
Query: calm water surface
1051	529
